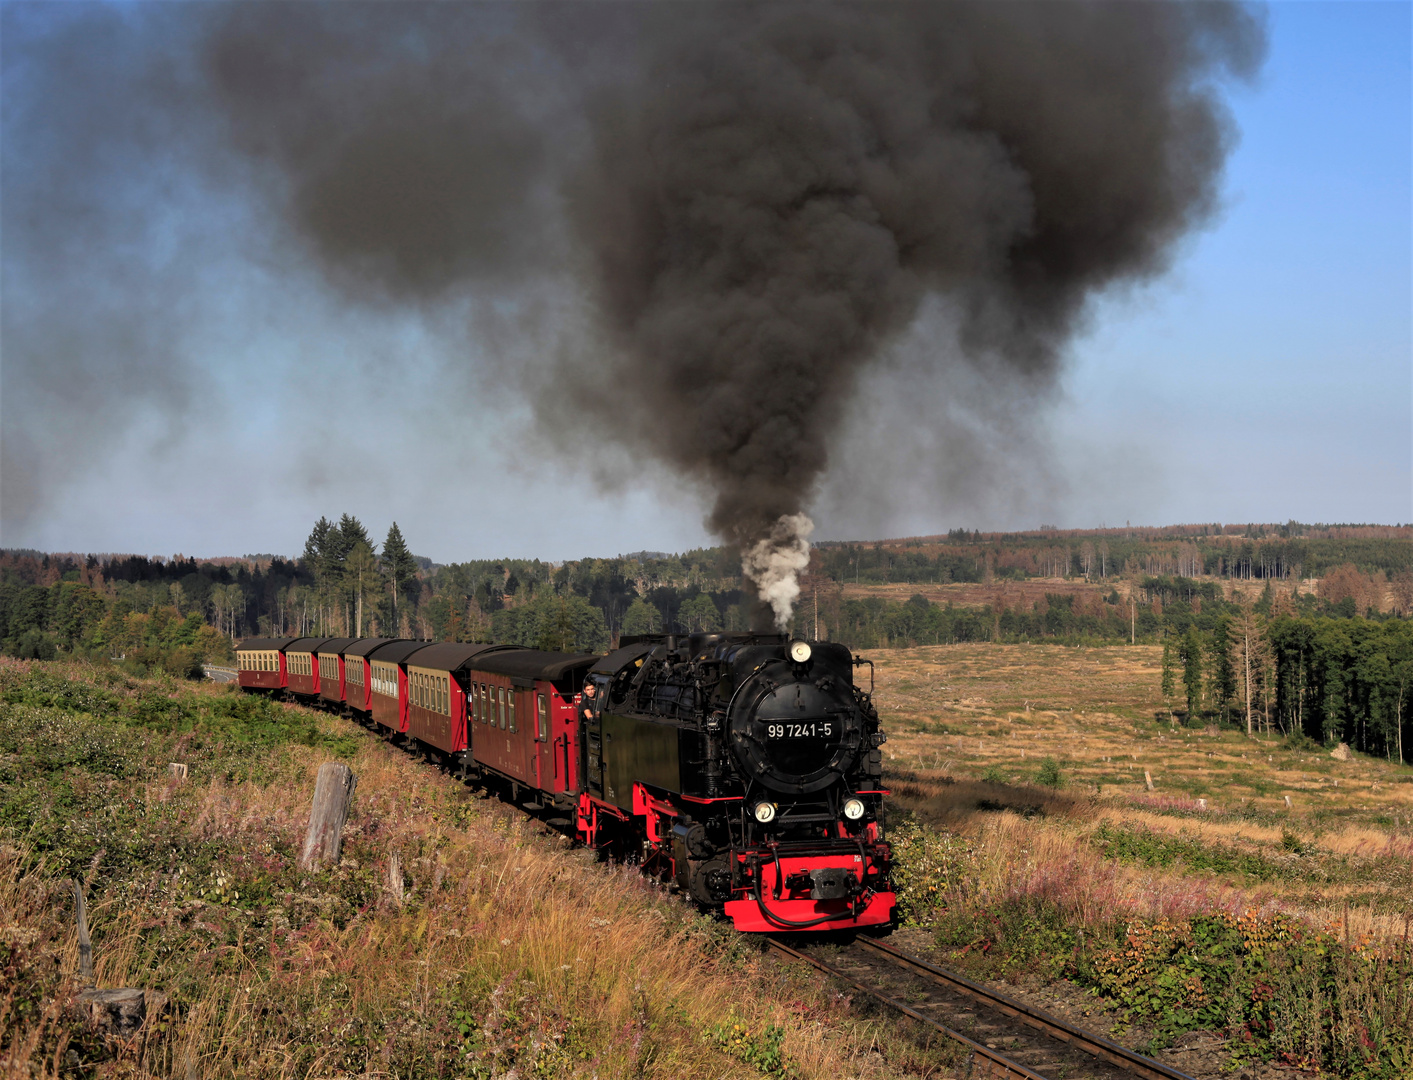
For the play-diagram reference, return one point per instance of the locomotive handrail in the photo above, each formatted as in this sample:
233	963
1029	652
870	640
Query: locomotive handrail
860	661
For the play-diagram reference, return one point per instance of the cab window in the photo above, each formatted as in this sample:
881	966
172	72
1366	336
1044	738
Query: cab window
542	711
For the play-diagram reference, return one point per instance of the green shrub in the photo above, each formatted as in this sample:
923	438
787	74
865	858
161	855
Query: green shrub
1279	990
761	1049
928	866
1049	774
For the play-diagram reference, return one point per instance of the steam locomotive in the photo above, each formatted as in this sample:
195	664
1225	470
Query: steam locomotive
741	769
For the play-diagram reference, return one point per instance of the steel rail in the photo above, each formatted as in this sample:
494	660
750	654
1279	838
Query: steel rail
1090	1043
981	1062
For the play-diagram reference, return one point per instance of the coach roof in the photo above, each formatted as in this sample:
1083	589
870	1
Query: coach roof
277	643
336	644
396	652
363	646
527	664
451	655
306	644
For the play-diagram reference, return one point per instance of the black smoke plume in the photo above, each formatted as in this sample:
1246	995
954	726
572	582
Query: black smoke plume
752	200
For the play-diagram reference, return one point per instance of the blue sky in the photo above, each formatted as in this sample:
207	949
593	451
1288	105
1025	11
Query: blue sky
1268	376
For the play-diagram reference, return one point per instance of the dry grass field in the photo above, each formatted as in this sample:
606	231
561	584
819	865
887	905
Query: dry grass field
1206	912
1215	826
1024	595
457	937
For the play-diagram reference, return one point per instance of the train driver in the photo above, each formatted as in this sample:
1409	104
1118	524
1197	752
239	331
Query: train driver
586	702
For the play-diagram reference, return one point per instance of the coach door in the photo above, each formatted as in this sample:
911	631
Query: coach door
553	739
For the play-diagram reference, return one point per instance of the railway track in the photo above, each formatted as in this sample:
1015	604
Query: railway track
1001	1037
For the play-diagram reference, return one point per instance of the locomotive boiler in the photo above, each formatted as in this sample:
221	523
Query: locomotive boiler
746	769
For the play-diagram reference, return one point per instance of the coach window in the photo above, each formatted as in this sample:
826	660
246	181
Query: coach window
486	717
510	700
444	689
500	695
542	707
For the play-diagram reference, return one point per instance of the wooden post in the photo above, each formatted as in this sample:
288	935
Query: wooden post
85	946
1147	780
332	795
395	878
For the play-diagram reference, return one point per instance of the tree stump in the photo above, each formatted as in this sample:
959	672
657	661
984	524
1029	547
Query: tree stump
332	795
118	1012
177	771
1147	780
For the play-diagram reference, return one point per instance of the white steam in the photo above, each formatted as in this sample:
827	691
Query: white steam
774	563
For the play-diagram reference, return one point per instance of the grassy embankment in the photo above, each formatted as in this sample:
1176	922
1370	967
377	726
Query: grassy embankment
496	948
1207	903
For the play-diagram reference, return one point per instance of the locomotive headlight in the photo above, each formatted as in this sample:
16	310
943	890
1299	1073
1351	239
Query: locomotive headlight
765	812
799	651
853	809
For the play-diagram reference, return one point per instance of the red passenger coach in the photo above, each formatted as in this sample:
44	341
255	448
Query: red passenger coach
358	672
329	661
302	665
260	663
388	697
437	682
524	724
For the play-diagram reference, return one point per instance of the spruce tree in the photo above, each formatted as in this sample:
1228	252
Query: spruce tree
1169	684
399	566
1192	671
315	545
353	533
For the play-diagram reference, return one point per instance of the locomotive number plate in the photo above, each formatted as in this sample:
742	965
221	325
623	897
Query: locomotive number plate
810	729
